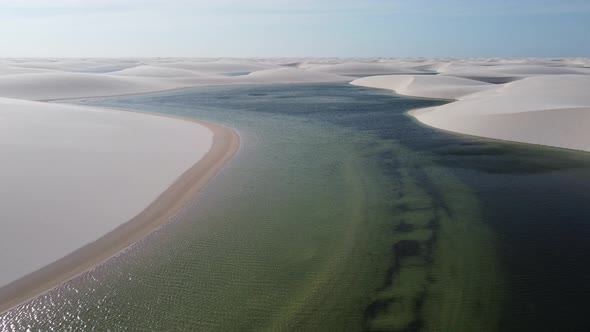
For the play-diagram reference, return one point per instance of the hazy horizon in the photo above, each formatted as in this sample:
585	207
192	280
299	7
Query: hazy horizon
265	28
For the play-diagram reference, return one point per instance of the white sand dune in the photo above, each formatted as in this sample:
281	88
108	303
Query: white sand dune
11	70
217	67
269	76
487	76
535	69
550	110
359	68
154	71
62	85
293	75
529	94
440	87
75	65
563	127
71	174
146	78
431	67
509	73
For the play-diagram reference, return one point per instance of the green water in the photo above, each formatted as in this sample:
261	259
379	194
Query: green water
338	213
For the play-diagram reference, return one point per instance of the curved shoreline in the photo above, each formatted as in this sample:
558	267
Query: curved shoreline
225	145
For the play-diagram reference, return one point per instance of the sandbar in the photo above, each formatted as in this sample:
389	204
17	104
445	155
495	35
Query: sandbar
168	204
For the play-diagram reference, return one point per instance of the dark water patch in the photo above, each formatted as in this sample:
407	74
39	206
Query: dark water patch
406	248
101	70
473	150
543	220
434	225
382	307
387	74
436	196
377	307
293	64
239	73
405	227
388	281
418	324
511	158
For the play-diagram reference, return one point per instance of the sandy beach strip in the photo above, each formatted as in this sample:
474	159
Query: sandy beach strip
225	145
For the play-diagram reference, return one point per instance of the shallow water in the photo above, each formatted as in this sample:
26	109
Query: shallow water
342	213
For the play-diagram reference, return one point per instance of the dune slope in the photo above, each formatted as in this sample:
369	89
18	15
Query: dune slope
62	85
549	109
441	87
72	174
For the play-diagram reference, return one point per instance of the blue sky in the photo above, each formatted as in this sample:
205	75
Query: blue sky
345	28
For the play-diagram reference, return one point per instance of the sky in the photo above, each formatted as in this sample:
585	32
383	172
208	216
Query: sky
284	28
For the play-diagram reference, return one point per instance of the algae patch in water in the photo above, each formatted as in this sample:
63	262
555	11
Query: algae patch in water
443	273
